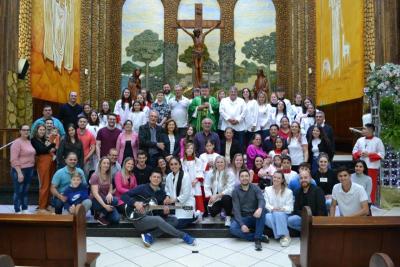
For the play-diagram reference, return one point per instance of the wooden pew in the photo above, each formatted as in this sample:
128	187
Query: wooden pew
346	241
46	240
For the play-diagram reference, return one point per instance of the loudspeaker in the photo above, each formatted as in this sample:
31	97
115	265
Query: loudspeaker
23	66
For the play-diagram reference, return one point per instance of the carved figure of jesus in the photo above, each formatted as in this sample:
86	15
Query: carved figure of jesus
198	49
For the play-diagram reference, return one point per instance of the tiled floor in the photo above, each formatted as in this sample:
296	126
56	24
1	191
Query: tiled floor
173	252
119	252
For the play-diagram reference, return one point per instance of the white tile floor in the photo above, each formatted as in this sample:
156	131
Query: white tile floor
173	252
120	252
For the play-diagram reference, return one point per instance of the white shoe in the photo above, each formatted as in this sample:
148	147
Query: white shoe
228	221
285	241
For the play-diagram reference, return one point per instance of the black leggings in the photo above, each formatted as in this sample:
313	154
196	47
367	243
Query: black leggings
225	203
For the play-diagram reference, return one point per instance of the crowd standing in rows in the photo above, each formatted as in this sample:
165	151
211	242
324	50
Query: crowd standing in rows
251	161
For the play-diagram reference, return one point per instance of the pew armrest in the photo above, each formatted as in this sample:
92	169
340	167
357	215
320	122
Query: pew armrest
295	259
91	258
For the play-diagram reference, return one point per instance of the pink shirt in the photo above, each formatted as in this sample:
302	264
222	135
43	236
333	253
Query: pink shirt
252	152
120	146
22	154
122	186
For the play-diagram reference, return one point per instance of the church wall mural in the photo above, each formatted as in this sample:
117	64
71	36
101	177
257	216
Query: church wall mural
340	50
55	49
253	19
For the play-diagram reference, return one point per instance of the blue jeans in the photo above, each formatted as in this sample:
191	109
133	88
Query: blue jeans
278	222
113	216
250	222
294	222
20	196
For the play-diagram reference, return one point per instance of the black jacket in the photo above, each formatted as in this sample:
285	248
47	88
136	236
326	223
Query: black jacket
145	138
323	147
329	133
235	148
176	145
314	198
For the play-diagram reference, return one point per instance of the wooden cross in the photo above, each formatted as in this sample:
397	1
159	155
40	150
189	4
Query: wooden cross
198	22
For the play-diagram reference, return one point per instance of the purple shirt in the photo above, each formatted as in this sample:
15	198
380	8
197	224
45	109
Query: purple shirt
200	140
108	139
252	152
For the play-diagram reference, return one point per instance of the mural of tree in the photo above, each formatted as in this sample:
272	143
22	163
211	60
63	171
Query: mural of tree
262	50
145	47
187	57
210	67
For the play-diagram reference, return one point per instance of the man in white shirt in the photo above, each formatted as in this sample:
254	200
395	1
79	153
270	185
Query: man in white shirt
371	150
168	96
179	110
232	110
351	197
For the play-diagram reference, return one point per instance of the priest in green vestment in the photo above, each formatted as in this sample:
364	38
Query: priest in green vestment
204	106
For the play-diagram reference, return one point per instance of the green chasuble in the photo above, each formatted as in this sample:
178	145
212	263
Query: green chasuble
196	116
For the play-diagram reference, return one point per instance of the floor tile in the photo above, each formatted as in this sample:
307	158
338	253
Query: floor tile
115	243
161	243
292	249
266	252
236	244
200	245
280	259
264	264
195	259
151	259
216	252
239	260
214	240
174	252
123	264
132	252
97	248
217	264
171	264
108	258
274	245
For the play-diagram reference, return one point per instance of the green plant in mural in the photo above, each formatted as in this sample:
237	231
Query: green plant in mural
262	50
210	67
187	56
145	47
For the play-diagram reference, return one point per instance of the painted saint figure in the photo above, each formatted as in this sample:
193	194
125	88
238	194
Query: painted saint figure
134	83
261	84
198	49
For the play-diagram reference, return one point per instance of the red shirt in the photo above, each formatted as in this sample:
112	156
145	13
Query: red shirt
87	140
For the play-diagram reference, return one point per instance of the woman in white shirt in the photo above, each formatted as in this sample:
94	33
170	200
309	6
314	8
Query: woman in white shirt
297	107
123	107
178	188
280	112
93	123
218	187
103	115
137	116
262	123
250	119
279	204
308	120
297	146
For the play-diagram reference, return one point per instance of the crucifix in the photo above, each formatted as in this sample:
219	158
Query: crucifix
198	38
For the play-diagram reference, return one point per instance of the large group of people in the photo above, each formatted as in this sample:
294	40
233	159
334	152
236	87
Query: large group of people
251	161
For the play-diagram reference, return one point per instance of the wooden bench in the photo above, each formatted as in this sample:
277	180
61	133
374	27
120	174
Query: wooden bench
46	240
346	241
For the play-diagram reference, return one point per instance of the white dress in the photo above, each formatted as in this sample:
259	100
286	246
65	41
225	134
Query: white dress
194	169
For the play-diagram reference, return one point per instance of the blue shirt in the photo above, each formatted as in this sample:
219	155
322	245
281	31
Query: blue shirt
295	185
62	179
76	195
57	123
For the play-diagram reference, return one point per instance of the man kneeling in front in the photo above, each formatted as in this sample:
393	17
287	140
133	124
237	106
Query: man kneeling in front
351	197
151	226
248	211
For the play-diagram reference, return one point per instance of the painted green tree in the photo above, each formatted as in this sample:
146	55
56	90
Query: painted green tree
187	57
145	47
262	50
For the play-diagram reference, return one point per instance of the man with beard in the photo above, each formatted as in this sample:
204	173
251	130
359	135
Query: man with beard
204	106
107	136
168	96
248	211
308	195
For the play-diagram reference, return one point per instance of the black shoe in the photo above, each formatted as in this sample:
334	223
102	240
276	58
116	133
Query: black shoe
265	239
257	244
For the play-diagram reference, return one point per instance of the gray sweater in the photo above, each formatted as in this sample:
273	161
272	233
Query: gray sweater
365	181
245	203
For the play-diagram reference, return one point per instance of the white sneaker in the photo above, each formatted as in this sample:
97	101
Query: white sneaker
199	216
228	221
285	241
